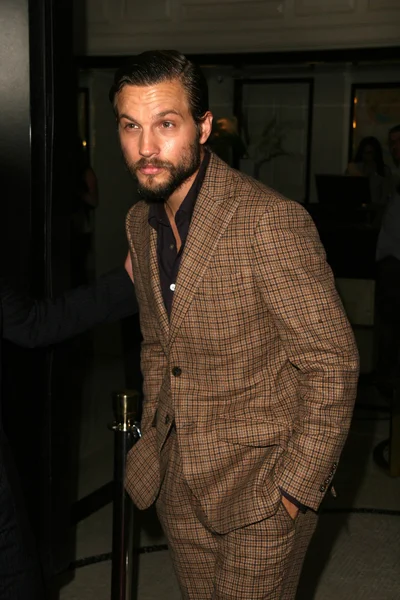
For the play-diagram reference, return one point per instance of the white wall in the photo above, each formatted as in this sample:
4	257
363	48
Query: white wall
202	26
332	104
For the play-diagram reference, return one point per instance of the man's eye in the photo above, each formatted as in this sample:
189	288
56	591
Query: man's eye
130	126
167	125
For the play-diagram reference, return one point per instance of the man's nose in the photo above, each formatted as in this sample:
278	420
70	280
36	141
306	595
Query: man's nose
148	145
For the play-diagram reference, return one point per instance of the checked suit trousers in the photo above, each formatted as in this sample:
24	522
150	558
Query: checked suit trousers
261	561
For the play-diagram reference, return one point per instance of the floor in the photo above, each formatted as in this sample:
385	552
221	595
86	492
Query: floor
355	553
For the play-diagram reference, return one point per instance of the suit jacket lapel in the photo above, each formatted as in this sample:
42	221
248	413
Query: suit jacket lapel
214	209
153	291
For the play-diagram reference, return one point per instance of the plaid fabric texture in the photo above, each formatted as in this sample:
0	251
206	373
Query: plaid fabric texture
257	562
257	366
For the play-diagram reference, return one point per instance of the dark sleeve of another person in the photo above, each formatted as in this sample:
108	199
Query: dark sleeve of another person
31	323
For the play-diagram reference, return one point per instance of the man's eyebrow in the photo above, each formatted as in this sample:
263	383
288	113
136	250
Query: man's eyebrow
164	113
160	115
125	116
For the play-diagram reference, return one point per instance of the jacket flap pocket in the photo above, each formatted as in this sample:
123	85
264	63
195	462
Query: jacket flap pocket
259	434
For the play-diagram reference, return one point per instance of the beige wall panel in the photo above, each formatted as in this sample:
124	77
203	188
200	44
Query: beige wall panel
383	5
312	7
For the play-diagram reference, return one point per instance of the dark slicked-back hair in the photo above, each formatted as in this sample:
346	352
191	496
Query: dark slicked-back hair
157	66
378	154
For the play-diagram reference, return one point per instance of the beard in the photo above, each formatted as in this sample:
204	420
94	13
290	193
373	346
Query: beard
153	193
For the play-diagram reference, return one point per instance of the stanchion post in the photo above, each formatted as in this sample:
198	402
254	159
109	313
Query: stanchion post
126	409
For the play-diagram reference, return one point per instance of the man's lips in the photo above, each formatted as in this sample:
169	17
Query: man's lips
149	170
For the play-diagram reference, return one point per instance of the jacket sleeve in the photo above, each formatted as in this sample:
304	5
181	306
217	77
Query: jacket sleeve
298	288
33	323
152	357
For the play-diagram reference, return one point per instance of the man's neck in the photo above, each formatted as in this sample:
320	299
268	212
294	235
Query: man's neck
175	200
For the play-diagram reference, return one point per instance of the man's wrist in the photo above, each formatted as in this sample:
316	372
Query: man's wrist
290	508
293	501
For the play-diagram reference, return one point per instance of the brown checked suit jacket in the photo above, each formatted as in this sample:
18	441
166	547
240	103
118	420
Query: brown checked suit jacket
257	365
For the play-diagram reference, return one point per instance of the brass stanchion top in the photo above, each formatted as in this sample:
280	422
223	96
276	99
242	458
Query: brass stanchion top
126	407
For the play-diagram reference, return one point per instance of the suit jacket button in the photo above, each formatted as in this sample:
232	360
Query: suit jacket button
322	488
176	371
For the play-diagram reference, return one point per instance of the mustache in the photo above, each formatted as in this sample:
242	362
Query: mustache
155	163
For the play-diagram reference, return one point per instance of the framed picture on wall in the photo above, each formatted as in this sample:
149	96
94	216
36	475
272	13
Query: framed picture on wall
275	122
375	109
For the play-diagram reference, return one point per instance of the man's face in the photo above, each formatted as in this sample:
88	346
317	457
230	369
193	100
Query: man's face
394	146
160	141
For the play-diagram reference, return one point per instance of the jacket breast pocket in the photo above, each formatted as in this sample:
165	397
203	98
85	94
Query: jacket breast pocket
221	295
226	304
215	282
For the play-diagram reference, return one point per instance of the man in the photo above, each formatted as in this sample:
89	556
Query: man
249	363
394	148
31	324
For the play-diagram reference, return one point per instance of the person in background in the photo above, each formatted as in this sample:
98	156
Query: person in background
387	298
368	162
85	202
225	140
394	149
31	323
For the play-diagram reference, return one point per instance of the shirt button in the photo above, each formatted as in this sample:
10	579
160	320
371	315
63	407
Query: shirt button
172	246
172	287
176	372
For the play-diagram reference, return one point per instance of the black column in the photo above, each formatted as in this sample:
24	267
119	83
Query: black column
37	136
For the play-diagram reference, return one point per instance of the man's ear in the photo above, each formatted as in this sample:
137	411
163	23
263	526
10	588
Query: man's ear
205	127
